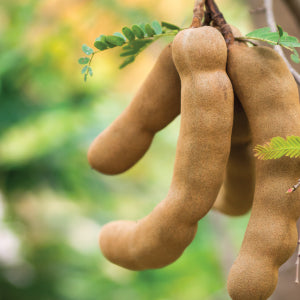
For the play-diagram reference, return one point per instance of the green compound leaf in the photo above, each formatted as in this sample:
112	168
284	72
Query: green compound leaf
132	40
170	26
127	61
87	50
114	40
265	34
138	31
83	60
149	30
128	33
157	28
84	69
279	147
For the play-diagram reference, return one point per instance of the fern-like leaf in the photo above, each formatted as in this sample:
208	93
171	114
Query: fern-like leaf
279	147
133	41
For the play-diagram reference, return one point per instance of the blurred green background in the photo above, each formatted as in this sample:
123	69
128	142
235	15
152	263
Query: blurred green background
52	205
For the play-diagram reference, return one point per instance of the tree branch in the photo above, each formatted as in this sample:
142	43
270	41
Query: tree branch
219	21
272	24
198	13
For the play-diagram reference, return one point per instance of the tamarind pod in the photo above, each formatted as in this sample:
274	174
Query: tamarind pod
203	146
236	194
155	105
269	95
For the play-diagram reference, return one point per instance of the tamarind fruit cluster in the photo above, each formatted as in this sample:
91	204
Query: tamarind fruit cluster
156	104
222	117
200	56
269	95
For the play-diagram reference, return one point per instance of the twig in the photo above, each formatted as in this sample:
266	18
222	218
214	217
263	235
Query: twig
198	13
219	21
272	24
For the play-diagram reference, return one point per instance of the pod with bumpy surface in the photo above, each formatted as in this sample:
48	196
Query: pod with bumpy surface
203	146
269	95
155	105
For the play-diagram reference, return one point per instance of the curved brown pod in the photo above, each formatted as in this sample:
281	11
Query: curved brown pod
236	194
203	146
269	95
155	105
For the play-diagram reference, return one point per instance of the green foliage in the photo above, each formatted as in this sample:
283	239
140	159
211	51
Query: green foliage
115	40
295	57
139	37
133	40
128	33
276	38
138	31
149	30
279	147
83	60
87	50
100	45
157	27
